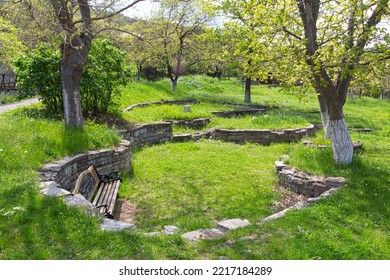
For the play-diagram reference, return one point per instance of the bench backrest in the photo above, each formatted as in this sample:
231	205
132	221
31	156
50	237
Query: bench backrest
87	183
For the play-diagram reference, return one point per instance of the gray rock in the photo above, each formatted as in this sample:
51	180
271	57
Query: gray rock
170	229
113	225
279	165
79	201
48	184
335	182
275	216
232	224
202	234
151	234
53	190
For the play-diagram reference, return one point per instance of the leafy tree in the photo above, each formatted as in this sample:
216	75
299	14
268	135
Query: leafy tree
104	72
10	45
322	43
78	24
170	35
241	31
34	20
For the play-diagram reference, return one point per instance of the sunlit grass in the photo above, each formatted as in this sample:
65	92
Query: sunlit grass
190	185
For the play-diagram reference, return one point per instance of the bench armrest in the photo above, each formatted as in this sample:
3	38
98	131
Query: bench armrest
112	176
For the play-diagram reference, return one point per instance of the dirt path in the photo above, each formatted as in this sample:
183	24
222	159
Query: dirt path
11	106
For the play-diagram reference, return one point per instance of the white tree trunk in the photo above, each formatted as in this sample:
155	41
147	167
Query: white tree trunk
341	141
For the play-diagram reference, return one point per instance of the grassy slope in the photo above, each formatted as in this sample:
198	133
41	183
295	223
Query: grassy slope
353	224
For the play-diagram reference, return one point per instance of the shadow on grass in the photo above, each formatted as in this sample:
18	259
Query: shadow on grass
46	228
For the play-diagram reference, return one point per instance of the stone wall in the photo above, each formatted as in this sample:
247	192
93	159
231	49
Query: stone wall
66	171
148	134
306	184
264	137
195	123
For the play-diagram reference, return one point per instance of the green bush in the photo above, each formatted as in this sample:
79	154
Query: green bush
103	74
38	74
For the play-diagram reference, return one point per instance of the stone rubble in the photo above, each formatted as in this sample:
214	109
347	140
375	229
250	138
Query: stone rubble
232	224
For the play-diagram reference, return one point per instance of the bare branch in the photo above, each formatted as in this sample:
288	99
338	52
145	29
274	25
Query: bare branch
112	14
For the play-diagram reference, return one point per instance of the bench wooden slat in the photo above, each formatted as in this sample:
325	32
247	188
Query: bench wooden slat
113	197
103	192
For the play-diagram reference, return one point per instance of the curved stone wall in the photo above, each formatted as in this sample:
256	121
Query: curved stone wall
148	134
66	171
306	184
263	137
195	123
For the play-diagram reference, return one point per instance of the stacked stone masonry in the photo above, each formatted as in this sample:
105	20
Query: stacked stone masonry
148	134
263	137
306	184
195	123
66	171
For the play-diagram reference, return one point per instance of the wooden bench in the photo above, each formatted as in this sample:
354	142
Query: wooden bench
100	190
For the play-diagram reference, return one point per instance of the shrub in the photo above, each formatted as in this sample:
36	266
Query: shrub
103	74
38	74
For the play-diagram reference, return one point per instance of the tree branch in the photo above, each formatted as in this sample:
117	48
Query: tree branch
121	30
290	33
112	14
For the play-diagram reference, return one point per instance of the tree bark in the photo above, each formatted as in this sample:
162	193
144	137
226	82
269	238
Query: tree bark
174	84
71	95
324	114
248	84
341	141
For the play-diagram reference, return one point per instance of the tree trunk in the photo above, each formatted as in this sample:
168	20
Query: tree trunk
341	141
174	84
324	115
248	83
71	95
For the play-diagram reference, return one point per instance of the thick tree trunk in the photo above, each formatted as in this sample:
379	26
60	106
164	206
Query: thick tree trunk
248	84
174	85
337	130
71	95
341	141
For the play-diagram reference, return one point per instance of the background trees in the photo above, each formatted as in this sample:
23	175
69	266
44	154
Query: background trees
321	43
328	46
10	45
169	39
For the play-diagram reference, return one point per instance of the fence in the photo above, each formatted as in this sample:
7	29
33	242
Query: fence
7	82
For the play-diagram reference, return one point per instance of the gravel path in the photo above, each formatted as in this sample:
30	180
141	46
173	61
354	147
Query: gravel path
11	106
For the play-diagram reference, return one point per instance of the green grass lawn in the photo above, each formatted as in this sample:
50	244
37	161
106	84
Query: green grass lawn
193	185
